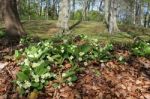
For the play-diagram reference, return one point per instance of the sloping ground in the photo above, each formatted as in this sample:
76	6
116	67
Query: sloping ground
110	80
45	29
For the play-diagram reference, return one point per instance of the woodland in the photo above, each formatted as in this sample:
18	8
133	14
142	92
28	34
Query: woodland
74	49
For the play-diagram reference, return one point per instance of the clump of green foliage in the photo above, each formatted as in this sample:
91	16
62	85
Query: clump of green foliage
92	16
2	33
141	48
76	15
95	16
59	59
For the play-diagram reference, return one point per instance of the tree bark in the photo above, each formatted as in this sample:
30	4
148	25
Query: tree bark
29	8
64	15
85	9
93	4
147	17
134	12
47	10
100	5
113	27
73	6
11	19
0	10
40	7
106	10
142	13
58	7
111	15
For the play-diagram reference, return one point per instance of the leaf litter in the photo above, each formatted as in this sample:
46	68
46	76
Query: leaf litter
108	80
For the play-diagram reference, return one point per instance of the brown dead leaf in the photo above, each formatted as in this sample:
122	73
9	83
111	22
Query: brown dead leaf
71	96
138	82
146	95
68	65
2	89
90	87
64	94
66	88
88	78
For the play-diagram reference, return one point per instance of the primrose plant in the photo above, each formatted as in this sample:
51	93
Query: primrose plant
58	59
141	48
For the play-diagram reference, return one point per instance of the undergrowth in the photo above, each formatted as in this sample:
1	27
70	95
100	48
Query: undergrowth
57	60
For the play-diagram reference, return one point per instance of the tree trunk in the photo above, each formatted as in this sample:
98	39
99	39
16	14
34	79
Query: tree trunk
139	12
58	7
73	6
134	12
149	21
142	13
40	7
93	4
29	8
85	9
146	21
46	10
0	10
100	5
11	19
113	27
106	10
64	15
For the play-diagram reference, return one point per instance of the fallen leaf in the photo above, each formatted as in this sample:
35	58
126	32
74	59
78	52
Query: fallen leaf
67	65
2	65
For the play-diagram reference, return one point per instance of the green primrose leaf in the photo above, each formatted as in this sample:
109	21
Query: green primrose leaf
73	78
56	85
40	70
22	76
68	74
34	84
147	50
17	54
85	48
40	86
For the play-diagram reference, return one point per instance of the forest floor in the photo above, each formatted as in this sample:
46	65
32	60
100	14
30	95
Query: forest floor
108	80
92	29
44	29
